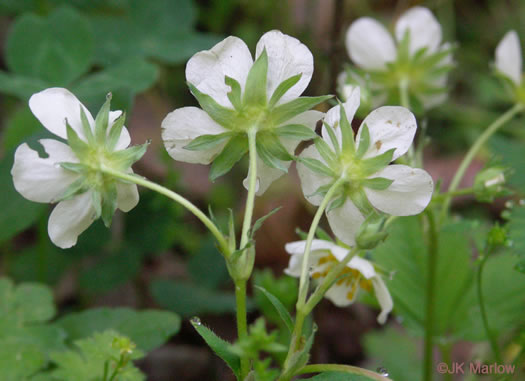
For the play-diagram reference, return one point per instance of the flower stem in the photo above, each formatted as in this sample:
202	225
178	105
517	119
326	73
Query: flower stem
460	192
240	284
430	295
405	102
481	301
318	368
175	197
478	144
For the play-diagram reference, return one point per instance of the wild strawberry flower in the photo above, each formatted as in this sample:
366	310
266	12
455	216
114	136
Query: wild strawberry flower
70	174
239	96
359	274
509	63
369	183
419	62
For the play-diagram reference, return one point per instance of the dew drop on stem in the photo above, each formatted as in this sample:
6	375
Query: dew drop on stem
382	371
195	320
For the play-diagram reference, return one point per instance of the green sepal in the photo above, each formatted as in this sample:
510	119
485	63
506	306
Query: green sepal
374	164
321	191
222	348
347	134
77	187
361	202
234	95
281	309
102	120
257	225
222	115
434	59
403	48
79	147
287	111
295	131
333	138
337	203
206	142
123	159
283	87
115	132
377	183
109	203
232	241
255	89
316	165
232	152
364	141
96	201
271	151
86	127
322	234
326	152
75	167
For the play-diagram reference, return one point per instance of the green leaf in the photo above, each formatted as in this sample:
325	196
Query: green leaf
206	142
17	213
283	87
221	347
56	49
316	166
287	111
257	225
364	141
222	115
148	328
295	131
235	94
255	89
234	150
283	312
20	86
377	183
188	299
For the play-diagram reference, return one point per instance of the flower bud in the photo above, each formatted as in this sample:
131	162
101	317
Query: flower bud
371	233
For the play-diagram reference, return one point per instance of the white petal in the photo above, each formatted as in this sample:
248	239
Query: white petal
424	29
183	125
345	222
383	297
508	57
124	139
287	57
409	194
310	180
42	179
53	106
363	266
333	115
207	69
338	294
369	44
265	177
127	196
69	219
389	127
296	249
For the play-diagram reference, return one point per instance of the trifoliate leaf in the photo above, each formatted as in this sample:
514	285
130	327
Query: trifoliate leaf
284	112
206	142
283	87
255	89
234	150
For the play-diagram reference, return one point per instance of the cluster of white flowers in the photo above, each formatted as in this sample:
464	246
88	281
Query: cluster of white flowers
261	99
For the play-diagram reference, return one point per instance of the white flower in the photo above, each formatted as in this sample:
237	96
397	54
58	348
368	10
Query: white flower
236	99
422	64
45	179
509	59
369	182
358	274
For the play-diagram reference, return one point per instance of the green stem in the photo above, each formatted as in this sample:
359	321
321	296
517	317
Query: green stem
482	139
460	192
242	325
446	357
318	368
490	335
303	281
175	197
240	284
430	295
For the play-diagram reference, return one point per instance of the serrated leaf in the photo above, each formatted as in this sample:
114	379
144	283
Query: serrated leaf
295	131
281	310
206	142
255	88
221	347
232	152
283	87
286	111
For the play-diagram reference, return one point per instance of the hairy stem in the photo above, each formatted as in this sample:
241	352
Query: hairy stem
175	197
428	368
478	144
242	325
